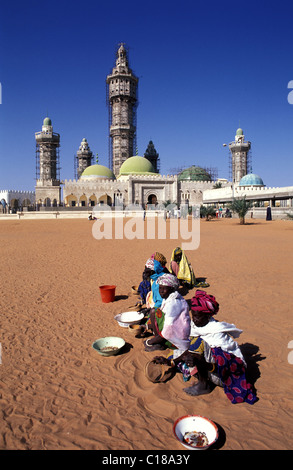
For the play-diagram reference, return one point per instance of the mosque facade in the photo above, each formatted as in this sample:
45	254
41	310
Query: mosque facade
129	178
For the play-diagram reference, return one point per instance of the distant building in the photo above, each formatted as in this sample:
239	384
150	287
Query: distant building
13	200
239	150
129	178
48	189
122	99
152	155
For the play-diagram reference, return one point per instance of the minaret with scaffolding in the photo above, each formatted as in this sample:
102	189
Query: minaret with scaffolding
152	155
122	100
83	158
48	190
239	157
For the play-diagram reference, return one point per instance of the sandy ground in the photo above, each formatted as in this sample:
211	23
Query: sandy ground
57	392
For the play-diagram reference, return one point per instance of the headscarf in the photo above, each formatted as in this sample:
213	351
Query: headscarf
159	257
159	271
177	251
205	303
150	264
185	272
169	280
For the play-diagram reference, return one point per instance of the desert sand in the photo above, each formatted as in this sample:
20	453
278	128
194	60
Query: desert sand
57	392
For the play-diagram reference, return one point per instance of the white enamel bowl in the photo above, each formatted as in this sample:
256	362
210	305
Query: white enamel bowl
128	318
108	346
196	423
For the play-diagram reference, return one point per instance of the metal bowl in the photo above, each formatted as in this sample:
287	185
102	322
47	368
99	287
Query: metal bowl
195	424
126	319
108	346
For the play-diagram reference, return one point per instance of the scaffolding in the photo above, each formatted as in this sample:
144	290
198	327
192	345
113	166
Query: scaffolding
127	94
211	171
50	151
90	161
246	162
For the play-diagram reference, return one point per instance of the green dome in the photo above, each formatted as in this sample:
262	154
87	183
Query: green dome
47	122
194	173
97	172
239	131
137	166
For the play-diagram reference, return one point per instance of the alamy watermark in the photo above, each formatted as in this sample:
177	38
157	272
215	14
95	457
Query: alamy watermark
290	95
150	224
290	355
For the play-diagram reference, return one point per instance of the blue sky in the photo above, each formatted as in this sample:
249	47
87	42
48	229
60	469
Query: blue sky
204	67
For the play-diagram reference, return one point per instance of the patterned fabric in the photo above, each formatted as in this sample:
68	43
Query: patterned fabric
231	371
143	289
150	264
161	258
168	280
205	303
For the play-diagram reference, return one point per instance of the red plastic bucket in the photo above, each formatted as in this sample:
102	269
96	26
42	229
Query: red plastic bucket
107	293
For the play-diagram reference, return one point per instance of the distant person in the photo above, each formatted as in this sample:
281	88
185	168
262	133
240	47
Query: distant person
269	213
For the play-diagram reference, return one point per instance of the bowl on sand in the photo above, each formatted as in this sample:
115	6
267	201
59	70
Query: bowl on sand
108	346
195	432
128	318
134	290
136	329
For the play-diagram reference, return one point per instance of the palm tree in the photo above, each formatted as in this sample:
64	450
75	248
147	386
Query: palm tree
207	212
241	207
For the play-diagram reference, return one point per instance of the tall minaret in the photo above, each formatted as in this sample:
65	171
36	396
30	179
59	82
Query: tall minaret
152	155
48	191
84	158
239	150
122	100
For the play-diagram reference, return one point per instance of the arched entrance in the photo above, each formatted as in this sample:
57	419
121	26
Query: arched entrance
105	199
152	199
71	200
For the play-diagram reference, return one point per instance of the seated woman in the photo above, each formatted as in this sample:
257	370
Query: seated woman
213	355
170	323
161	258
181	268
153	298
145	286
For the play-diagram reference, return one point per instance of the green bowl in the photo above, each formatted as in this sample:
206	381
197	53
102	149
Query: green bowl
108	346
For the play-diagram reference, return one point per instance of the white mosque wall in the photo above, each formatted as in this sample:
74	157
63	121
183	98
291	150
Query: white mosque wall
8	195
251	192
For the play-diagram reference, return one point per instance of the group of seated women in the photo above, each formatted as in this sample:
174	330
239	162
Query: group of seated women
196	343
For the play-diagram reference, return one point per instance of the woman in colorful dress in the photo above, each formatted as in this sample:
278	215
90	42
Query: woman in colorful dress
170	323
213	355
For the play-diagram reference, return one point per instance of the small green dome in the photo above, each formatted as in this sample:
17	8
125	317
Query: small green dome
194	173
47	122
84	140
137	166
239	131
97	172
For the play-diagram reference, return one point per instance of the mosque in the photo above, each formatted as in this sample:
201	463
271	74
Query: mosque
129	178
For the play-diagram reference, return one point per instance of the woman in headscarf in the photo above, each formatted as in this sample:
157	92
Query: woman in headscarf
170	323
161	258
213	354
181	268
